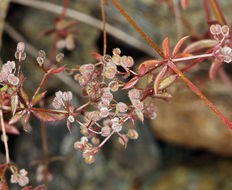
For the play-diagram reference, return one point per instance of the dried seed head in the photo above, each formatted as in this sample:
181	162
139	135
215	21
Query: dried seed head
132	134
225	30
71	119
20	47
42	54
40	61
127	61
121	107
116	51
67	96
59	57
95	140
78	145
105	131
117	127
12	79
56	103
113	85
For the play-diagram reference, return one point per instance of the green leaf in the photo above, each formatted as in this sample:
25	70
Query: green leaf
167	81
140	115
4	88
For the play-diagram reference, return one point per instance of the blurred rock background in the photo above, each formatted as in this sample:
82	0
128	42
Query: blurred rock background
185	148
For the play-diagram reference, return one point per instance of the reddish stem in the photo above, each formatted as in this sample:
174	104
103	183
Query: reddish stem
198	92
140	31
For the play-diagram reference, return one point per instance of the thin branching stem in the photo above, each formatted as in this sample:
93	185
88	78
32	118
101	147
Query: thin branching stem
4	137
103	27
137	28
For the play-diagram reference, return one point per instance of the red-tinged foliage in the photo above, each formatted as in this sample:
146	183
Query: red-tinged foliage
159	78
14	103
165	48
215	66
142	70
47	117
17	116
24	96
184	4
151	63
10	129
178	46
167	81
200	45
26	120
97	56
38	97
131	83
57	70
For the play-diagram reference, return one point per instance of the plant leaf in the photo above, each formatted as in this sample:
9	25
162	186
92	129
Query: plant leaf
140	115
57	70
142	70
167	81
131	83
200	45
24	95
14	103
151	63
165	48
97	56
215	66
178	46
184	4
47	117
10	129
26	120
159	77
38	97
4	88
16	117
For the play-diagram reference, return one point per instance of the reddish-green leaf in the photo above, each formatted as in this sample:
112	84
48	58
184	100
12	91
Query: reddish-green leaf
142	70
165	47
16	117
159	77
26	120
47	117
200	45
14	103
178	46
10	129
24	95
140	115
97	56
151	63
131	83
215	66
4	88
38	97
184	4
167	81
57	70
